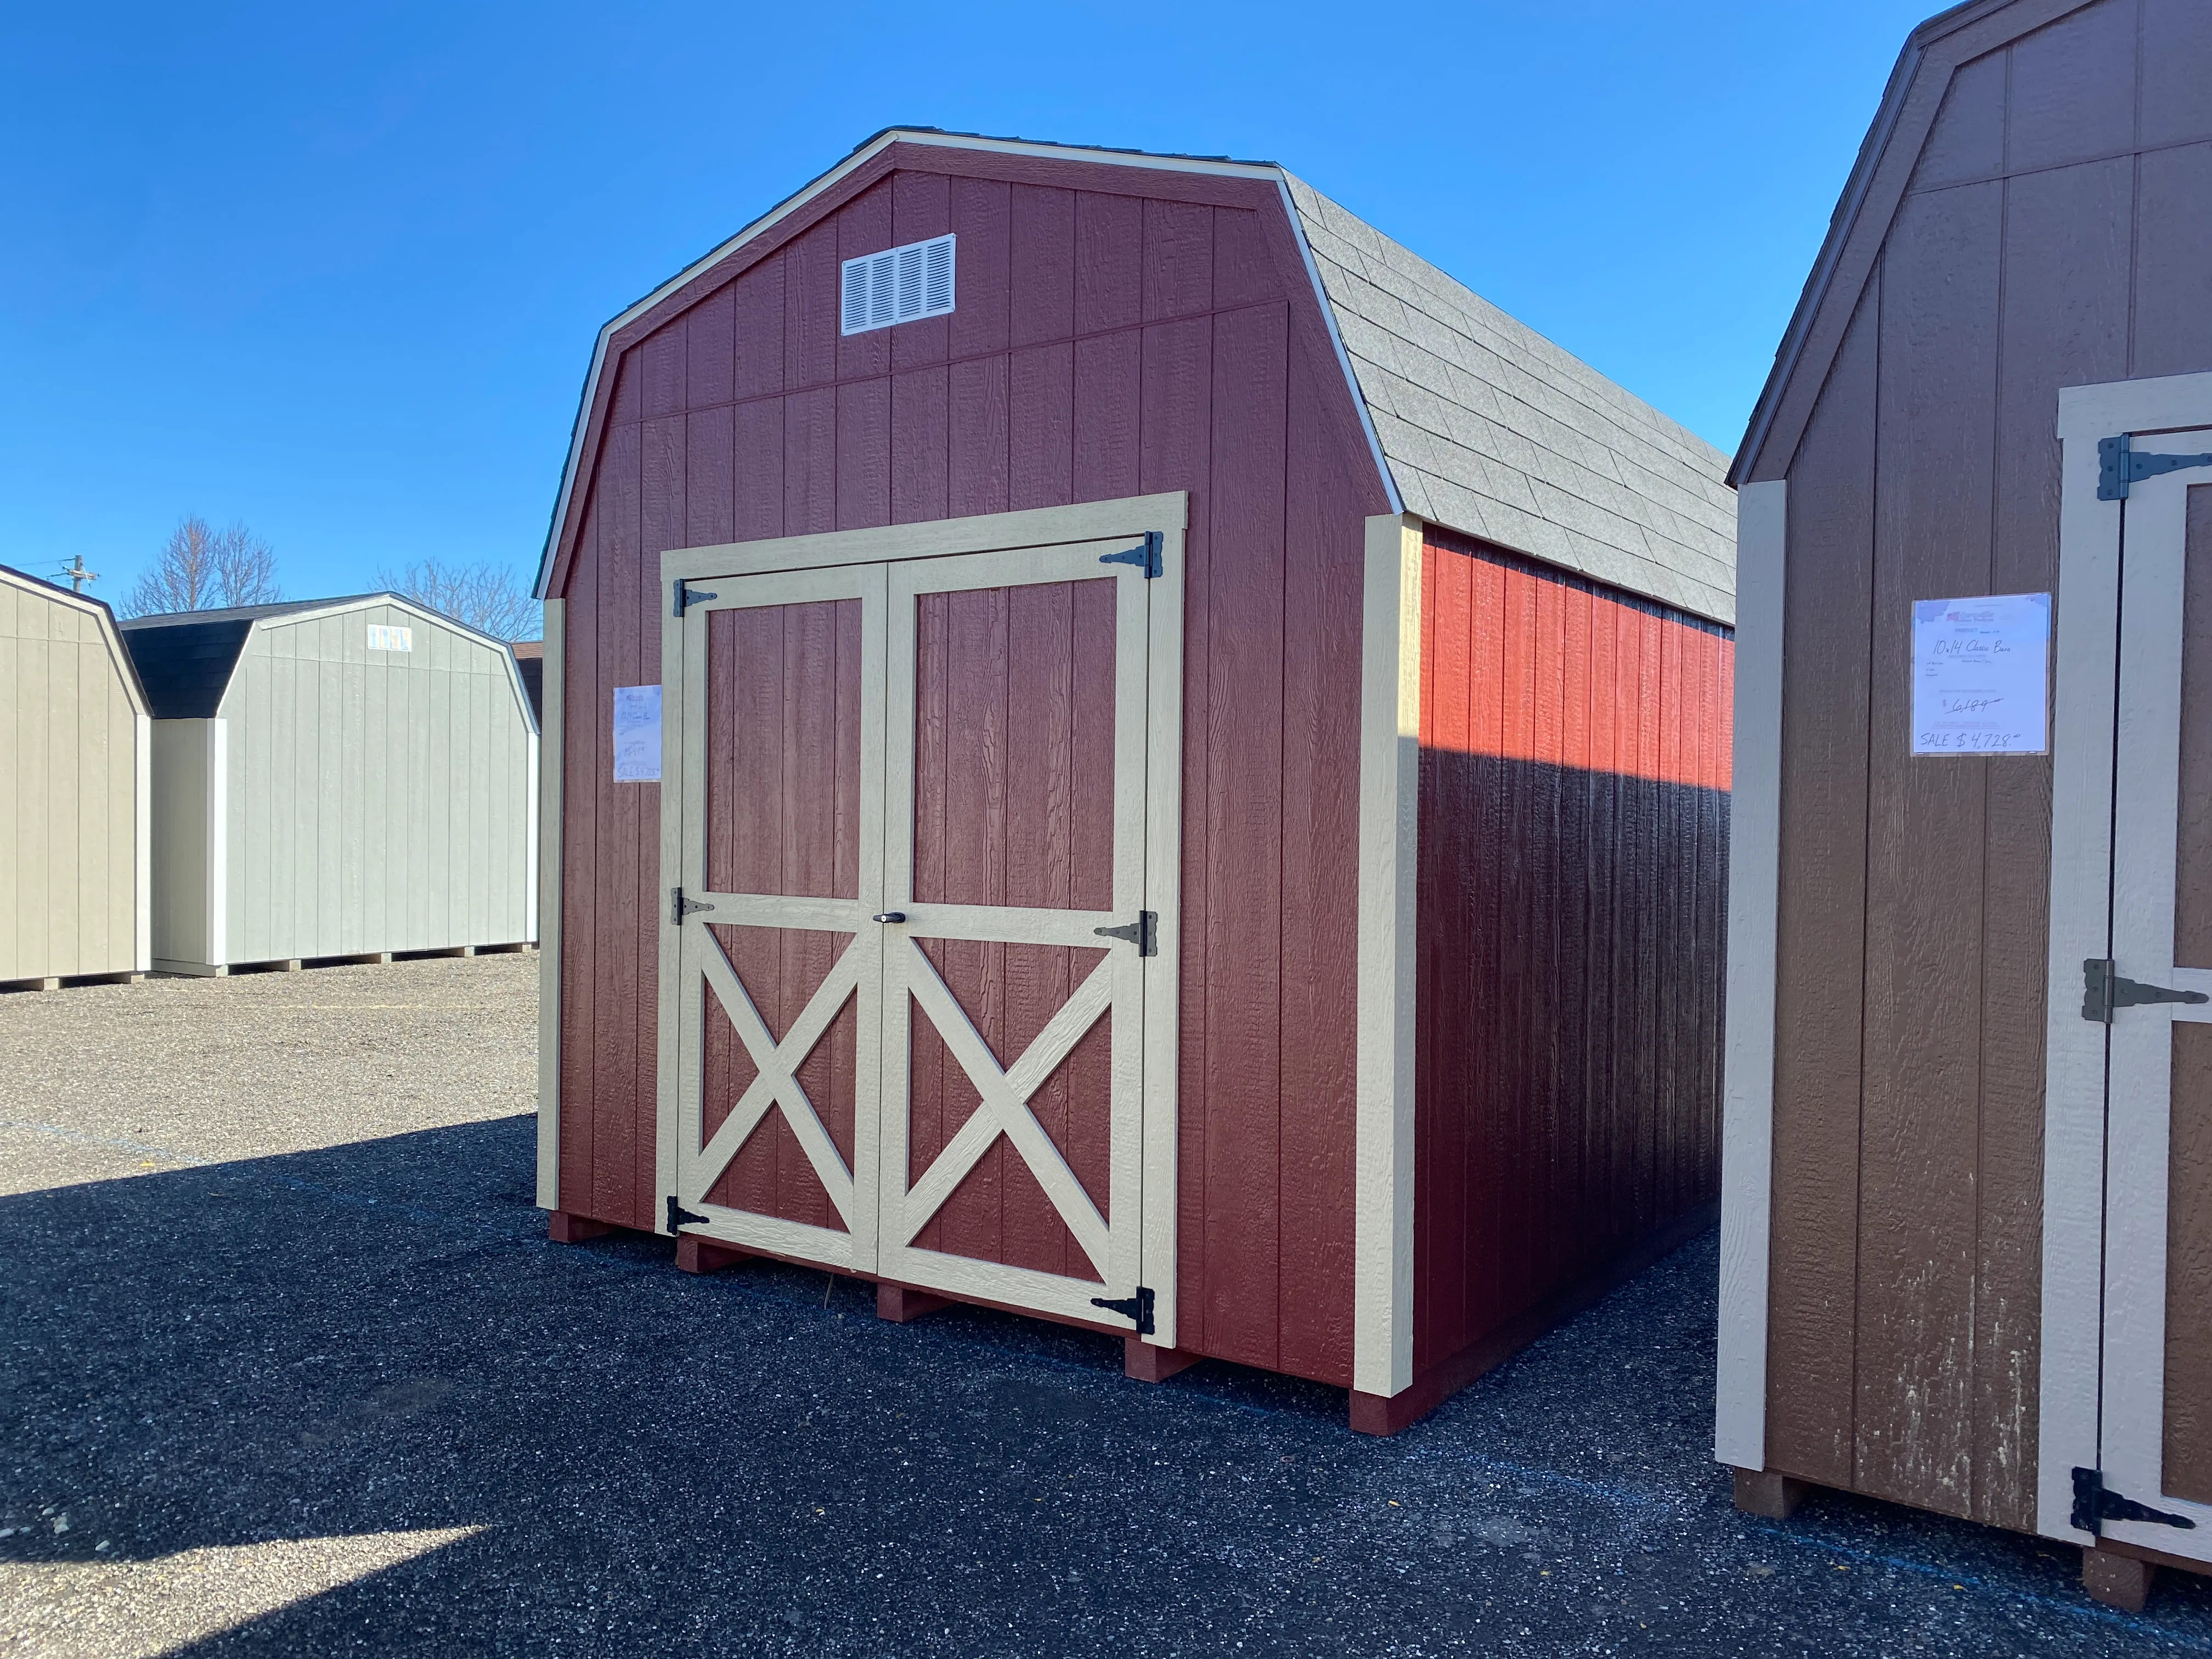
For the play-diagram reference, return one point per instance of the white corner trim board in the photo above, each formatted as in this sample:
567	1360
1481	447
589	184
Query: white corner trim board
549	908
1390	849
1755	893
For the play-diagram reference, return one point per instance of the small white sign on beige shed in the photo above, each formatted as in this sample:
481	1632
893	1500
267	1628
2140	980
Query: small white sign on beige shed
73	805
335	778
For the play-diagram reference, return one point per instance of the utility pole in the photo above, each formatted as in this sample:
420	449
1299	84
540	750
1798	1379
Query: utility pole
77	574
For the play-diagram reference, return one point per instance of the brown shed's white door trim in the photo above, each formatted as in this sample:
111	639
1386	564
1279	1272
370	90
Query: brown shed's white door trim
1754	895
2090	1349
551	749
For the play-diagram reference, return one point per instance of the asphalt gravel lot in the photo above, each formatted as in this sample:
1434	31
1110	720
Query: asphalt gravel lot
286	1366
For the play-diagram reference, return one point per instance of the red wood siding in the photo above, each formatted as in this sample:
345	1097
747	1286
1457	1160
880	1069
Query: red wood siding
1575	753
1118	331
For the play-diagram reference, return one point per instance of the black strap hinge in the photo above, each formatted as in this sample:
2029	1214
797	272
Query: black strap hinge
679	907
2119	465
1144	933
687	597
678	1216
1149	557
2094	1504
2103	991
1137	1308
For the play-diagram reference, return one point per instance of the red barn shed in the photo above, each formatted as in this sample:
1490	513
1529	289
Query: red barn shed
1130	750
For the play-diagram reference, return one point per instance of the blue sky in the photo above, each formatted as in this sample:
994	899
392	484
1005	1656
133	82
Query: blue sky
336	271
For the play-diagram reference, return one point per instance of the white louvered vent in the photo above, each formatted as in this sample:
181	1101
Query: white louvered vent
899	285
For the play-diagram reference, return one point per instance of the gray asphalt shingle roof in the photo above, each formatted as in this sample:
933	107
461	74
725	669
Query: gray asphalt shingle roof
1491	429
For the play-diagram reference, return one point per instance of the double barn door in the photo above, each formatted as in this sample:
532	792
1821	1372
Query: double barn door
923	932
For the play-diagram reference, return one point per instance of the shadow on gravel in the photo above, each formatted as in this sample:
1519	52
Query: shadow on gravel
377	1338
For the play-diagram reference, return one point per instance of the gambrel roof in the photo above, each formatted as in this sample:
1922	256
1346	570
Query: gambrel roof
1477	422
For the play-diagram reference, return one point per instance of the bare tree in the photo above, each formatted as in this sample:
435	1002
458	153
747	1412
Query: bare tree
204	569
489	598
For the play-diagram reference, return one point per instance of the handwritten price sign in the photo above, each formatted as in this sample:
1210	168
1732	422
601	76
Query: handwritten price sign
1981	670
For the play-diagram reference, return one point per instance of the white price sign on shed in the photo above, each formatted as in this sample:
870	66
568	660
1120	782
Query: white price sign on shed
1981	670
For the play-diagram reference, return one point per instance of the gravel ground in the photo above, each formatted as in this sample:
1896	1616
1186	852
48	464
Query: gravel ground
287	1367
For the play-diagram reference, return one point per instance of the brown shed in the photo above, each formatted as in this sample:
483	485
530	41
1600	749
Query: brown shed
1127	749
1941	853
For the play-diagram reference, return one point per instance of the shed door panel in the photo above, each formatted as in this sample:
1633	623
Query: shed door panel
2156	1428
783	970
1014	1089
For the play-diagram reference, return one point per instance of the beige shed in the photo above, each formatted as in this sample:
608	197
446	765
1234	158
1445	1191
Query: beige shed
73	747
336	778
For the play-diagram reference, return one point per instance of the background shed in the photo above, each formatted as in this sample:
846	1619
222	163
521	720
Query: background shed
73	818
335	778
1914	1235
1428	703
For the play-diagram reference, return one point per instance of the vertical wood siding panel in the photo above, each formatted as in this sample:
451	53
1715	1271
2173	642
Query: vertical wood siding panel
758	319
1178	259
2065	323
979	446
1041	289
863	453
2174	262
757	443
982	219
1820	928
1041	425
1244	271
1109	262
810	269
2174	103
710	486
1107	395
1968	141
622	1130
1324	571
810	462
583	696
1174	439
1926	824
660	358
710	350
1243	805
2073	88
920	445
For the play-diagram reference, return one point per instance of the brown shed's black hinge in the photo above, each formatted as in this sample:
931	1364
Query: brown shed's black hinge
2094	1504
679	907
686	598
2103	990
2119	465
678	1216
1137	1308
1149	558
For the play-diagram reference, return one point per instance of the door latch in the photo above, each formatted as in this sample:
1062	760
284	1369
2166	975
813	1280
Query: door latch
2104	991
1143	932
1137	1308
889	916
2094	1504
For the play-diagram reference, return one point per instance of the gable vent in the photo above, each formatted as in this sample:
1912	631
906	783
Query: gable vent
899	285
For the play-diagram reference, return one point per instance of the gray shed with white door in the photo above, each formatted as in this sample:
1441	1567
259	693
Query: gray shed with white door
347	777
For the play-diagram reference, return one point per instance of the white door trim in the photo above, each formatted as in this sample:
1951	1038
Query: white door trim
2082	714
